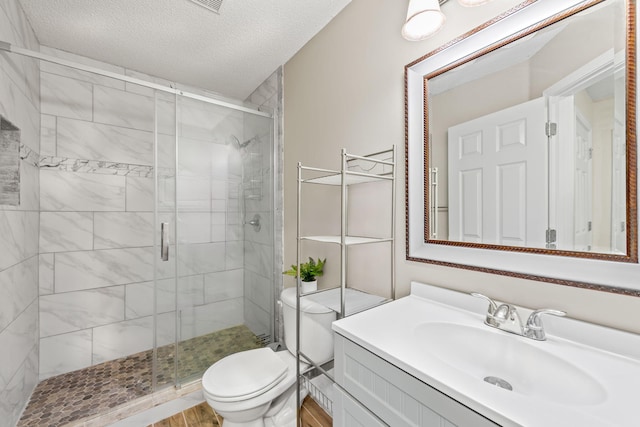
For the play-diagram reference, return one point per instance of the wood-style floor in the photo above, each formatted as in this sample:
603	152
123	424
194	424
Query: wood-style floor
311	415
198	416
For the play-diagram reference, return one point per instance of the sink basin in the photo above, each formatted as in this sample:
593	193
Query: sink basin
582	375
509	361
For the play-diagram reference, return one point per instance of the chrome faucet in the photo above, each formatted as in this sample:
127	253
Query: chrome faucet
489	319
534	329
506	318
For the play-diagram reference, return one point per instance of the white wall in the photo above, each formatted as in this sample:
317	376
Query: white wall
345	88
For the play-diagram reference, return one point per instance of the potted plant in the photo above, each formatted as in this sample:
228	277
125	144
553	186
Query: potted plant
309	273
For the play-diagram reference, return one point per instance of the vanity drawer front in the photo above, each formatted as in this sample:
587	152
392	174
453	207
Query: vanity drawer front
347	412
396	397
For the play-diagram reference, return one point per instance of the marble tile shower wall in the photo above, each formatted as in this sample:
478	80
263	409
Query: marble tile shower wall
97	222
19	104
261	252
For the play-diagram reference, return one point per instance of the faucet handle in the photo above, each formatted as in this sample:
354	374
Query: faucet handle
492	304
534	328
489	320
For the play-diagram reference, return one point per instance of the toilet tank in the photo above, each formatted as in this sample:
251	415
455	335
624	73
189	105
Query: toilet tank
316	337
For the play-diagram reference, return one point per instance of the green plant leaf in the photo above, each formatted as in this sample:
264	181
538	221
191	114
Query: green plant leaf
309	271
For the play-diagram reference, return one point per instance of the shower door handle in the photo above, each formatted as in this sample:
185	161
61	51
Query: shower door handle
164	241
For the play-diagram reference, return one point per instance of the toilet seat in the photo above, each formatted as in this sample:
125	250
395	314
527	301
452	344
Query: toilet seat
244	375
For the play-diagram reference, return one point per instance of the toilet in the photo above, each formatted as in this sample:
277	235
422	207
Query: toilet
257	388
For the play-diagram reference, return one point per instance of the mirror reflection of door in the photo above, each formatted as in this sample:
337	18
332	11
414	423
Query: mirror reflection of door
496	166
585	210
577	65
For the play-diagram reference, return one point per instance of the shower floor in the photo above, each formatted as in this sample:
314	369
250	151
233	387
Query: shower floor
102	388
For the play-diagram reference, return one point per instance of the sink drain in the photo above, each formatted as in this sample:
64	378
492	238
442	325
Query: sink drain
498	382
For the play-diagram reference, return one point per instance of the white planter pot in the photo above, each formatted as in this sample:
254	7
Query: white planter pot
309	286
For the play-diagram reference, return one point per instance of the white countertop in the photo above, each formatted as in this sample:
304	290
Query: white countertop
389	331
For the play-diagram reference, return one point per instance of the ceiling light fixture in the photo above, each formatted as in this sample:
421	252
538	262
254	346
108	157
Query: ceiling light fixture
424	17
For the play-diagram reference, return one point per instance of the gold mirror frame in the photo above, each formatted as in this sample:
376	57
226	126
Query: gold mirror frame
631	255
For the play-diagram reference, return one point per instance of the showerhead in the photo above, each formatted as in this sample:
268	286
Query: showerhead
233	140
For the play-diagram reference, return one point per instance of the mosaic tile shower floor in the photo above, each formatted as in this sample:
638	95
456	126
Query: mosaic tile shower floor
102	388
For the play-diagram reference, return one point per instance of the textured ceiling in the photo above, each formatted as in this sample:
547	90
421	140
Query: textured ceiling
230	53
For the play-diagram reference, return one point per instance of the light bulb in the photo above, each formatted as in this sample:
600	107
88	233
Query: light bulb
424	18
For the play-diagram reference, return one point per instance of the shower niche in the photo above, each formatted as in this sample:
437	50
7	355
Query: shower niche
9	163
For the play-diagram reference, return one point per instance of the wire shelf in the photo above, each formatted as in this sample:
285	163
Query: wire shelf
315	388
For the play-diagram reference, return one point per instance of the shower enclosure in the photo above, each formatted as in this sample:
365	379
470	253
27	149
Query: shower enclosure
156	232
214	247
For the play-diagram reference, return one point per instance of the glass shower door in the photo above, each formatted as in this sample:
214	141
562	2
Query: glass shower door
165	260
201	292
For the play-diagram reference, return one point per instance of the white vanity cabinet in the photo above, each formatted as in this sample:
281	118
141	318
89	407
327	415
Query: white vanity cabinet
370	391
347	412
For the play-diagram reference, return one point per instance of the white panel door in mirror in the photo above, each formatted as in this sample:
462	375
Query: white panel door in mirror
496	166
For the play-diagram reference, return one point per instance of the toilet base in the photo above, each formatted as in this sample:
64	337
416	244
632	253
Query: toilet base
282	413
286	415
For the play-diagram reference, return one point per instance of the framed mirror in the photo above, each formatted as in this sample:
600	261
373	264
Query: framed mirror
521	145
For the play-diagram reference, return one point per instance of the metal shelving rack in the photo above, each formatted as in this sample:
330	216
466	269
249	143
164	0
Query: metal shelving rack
355	170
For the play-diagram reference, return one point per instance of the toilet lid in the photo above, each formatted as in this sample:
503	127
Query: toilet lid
244	375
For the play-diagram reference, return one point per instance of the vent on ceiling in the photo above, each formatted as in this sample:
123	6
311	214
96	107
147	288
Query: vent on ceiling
213	5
